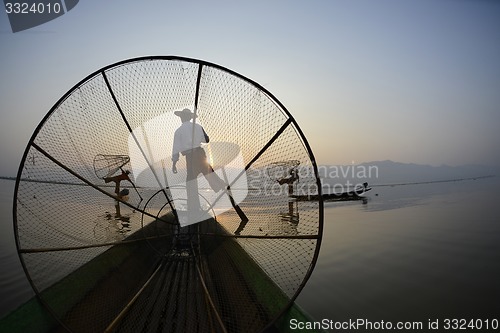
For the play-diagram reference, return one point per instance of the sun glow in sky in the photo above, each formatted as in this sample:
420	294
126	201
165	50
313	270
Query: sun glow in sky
410	81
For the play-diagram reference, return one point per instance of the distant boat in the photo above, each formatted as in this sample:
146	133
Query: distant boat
355	194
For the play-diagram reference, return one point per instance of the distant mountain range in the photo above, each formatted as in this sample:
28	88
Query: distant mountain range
389	172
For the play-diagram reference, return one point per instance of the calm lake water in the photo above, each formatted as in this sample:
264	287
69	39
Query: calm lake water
14	287
412	252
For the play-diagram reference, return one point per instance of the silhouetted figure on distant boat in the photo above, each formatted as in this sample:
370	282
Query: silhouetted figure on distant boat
117	179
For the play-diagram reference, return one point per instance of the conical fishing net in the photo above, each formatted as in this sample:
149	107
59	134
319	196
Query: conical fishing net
107	231
107	165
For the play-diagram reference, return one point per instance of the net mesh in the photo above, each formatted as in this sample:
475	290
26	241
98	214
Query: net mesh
97	224
107	165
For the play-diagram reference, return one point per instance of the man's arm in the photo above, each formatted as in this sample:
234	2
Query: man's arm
175	151
175	158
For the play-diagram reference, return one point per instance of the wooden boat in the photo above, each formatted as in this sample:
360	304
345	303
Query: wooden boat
147	285
350	195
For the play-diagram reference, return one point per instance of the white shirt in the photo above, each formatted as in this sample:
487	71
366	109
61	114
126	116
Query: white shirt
187	137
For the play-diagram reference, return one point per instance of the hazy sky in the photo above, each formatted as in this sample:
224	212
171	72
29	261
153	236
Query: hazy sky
411	81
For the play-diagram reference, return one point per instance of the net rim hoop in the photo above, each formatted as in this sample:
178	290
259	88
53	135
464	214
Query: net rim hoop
202	63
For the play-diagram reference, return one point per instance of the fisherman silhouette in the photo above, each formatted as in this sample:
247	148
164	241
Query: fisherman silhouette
187	141
117	179
120	195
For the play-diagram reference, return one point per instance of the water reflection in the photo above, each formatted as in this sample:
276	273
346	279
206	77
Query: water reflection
413	252
114	226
